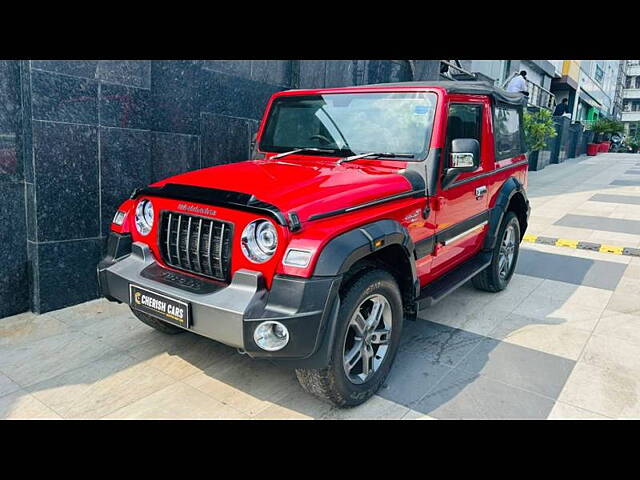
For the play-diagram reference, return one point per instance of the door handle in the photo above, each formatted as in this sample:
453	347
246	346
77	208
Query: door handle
480	191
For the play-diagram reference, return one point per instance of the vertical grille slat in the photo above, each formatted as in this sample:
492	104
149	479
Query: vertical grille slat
187	245
178	241
220	245
168	235
202	246
198	240
209	248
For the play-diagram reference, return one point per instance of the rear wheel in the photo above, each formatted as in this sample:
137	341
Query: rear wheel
163	327
367	338
497	275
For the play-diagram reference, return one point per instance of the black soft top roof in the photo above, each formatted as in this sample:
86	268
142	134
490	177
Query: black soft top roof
477	88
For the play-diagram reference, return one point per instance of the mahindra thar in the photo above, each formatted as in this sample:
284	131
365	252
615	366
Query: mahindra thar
361	206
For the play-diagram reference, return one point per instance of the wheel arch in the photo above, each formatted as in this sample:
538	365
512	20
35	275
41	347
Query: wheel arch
383	244
519	205
511	197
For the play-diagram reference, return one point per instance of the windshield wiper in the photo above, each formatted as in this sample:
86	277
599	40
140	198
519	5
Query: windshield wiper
306	149
375	154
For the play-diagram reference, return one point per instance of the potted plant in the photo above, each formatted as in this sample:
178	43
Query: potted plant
538	128
599	128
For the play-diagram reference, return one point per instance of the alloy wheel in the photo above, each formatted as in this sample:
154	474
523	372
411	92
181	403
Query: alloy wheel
367	340
507	252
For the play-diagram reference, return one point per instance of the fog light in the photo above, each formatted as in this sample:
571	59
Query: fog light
271	336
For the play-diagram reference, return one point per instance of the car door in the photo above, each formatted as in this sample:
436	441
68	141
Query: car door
462	205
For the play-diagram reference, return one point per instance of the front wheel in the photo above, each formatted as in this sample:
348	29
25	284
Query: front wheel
367	338
497	275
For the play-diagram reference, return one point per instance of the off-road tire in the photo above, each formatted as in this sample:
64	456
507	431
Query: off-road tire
489	279
159	325
331	383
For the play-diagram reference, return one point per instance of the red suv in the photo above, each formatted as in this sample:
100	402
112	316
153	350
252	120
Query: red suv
361	206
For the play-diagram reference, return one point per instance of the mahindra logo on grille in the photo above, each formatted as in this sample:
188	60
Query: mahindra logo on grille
194	209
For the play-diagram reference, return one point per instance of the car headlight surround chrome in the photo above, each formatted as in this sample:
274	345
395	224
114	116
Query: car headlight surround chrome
271	336
144	217
259	241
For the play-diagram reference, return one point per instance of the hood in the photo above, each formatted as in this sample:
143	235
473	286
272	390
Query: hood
308	186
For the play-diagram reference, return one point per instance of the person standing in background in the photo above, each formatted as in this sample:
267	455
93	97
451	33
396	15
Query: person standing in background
518	84
562	108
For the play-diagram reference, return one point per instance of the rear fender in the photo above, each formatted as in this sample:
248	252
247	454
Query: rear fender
509	188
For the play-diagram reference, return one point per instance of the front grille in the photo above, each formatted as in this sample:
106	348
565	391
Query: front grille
195	244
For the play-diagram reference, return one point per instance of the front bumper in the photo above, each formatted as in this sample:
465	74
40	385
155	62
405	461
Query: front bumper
230	313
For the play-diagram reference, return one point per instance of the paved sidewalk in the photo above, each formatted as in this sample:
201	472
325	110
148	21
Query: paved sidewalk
563	341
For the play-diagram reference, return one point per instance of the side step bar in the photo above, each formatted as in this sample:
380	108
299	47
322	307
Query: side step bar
440	288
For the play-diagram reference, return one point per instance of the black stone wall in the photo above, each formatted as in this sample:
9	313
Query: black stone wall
13	229
563	139
79	136
101	128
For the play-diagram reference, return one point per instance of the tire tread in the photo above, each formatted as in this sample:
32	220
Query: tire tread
487	280
322	382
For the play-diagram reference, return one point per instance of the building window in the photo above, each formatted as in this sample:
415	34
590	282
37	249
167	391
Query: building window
599	74
631	106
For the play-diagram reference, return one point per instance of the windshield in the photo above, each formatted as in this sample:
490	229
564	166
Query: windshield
351	123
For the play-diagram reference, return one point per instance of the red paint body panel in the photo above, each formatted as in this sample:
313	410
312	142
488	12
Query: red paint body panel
304	184
312	185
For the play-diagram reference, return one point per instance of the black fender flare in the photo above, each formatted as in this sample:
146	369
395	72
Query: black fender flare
509	188
338	256
344	250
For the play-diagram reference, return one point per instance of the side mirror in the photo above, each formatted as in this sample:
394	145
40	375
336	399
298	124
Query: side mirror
465	155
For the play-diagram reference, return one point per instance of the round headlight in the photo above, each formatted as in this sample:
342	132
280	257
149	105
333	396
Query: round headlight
259	241
144	217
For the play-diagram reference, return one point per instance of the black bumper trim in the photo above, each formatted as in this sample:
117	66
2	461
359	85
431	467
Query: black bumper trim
118	247
230	313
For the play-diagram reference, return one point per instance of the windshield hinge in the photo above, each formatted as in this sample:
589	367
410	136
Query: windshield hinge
294	222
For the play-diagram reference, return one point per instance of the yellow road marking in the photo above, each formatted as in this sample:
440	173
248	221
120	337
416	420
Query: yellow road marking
611	249
562	242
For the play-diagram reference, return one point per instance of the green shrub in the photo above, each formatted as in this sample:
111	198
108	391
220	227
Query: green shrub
614	127
599	126
604	127
538	128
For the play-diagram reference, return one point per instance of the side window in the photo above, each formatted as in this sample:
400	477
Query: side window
465	121
507	133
